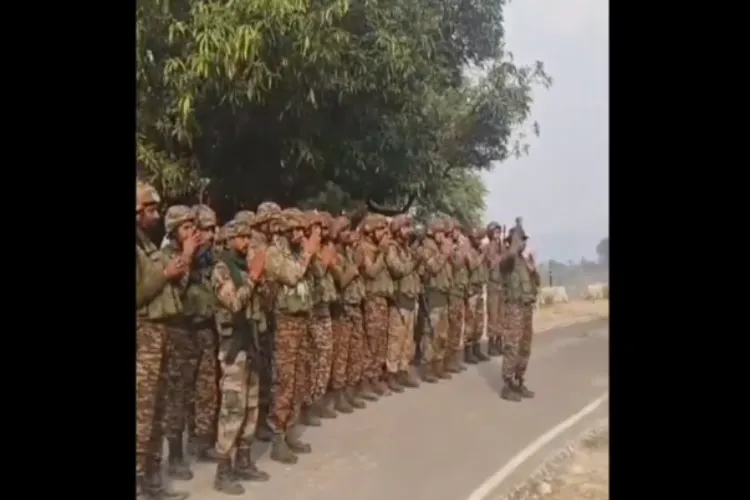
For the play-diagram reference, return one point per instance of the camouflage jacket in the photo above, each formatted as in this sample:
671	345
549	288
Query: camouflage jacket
155	297
377	280
231	299
436	270
289	271
402	266
477	271
346	275
459	260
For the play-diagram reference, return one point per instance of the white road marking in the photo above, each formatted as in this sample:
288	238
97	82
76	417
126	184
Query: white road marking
489	485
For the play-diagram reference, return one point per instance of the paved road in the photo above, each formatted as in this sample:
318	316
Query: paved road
440	442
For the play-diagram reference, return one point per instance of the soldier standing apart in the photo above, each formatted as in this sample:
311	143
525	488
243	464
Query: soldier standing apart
287	262
402	266
521	281
233	283
157	302
475	300
457	299
320	352
200	306
379	288
437	275
495	293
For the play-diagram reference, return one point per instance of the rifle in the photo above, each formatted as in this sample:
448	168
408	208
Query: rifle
425	308
244	338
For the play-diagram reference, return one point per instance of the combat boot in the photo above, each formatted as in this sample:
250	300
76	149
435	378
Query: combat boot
224	480
439	368
451	363
524	391
178	468
379	387
365	390
341	402
458	356
393	384
203	449
408	379
263	432
509	392
325	407
280	451
157	489
352	396
500	348
478	354
244	467
492	348
428	373
296	445
309	417
469	356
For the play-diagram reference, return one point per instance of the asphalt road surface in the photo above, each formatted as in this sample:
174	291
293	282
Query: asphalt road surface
441	441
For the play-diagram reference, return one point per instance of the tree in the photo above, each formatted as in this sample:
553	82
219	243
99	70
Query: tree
289	100
602	251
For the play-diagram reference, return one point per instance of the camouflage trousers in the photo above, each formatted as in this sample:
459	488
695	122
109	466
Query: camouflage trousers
267	375
474	314
517	339
435	342
151	339
204	398
455	322
290	367
238	409
182	364
495	312
376	334
401	347
353	321
341	347
320	352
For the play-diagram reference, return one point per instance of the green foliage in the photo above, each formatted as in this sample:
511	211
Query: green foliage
294	100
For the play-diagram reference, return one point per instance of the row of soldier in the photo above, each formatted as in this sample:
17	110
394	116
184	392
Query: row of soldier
282	317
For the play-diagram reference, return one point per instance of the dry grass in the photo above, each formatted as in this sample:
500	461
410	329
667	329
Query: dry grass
578	311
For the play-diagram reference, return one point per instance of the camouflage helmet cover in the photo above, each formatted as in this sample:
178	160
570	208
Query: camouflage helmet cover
371	222
268	206
478	233
205	215
339	224
437	225
235	228
245	216
293	218
176	216
399	221
145	194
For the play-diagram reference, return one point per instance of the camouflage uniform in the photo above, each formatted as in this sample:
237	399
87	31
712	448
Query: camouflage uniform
379	287
456	306
183	354
238	385
475	302
287	270
348	328
521	286
437	275
203	400
495	295
402	266
157	302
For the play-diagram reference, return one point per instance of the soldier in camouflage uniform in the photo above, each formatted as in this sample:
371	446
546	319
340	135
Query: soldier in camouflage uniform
287	262
233	282
219	240
457	298
157	304
199	301
320	354
402	265
379	287
348	327
475	299
437	276
495	293
521	282
182	364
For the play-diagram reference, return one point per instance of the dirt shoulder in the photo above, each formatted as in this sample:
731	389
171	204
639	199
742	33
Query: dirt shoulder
559	315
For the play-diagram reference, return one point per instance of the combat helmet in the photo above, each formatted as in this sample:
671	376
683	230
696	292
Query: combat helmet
176	216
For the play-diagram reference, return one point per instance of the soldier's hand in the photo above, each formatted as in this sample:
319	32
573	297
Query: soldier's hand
312	243
191	244
447	246
384	240
175	269
328	255
257	265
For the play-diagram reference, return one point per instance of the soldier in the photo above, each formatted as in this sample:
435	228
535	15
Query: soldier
379	287
287	262
157	303
320	354
200	298
521	282
457	298
348	327
475	300
495	294
233	283
402	266
219	240
182	363
437	275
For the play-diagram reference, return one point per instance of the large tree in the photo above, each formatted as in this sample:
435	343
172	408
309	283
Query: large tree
290	99
602	251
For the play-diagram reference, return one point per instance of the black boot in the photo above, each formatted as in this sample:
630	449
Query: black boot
157	489
280	451
296	445
178	467
478	354
469	356
244	467
224	480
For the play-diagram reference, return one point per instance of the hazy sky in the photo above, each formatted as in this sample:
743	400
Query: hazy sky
561	188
